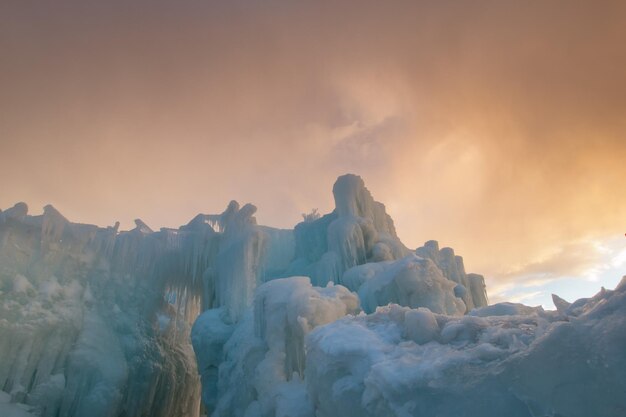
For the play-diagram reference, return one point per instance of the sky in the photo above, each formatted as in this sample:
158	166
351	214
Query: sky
496	128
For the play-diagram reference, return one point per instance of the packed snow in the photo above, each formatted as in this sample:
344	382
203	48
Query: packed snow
336	317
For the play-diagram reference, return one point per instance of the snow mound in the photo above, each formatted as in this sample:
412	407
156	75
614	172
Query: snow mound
519	362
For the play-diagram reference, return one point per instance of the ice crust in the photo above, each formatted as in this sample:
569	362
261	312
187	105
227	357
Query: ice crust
334	318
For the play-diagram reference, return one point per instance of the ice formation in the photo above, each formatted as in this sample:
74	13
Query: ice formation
509	362
357	231
261	360
97	322
333	318
86	329
411	281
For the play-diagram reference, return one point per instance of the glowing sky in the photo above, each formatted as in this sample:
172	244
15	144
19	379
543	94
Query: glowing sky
497	128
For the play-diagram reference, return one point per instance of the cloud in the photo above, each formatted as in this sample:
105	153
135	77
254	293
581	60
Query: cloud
496	129
592	262
571	259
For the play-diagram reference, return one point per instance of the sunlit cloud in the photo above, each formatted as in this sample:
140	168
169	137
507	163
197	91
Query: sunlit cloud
580	268
619	260
503	143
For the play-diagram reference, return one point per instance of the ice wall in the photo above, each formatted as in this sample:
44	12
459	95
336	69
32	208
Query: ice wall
97	322
84	324
335	317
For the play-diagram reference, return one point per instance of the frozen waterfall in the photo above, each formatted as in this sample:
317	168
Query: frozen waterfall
335	318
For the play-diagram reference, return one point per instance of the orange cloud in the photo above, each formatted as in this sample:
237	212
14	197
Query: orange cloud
494	128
